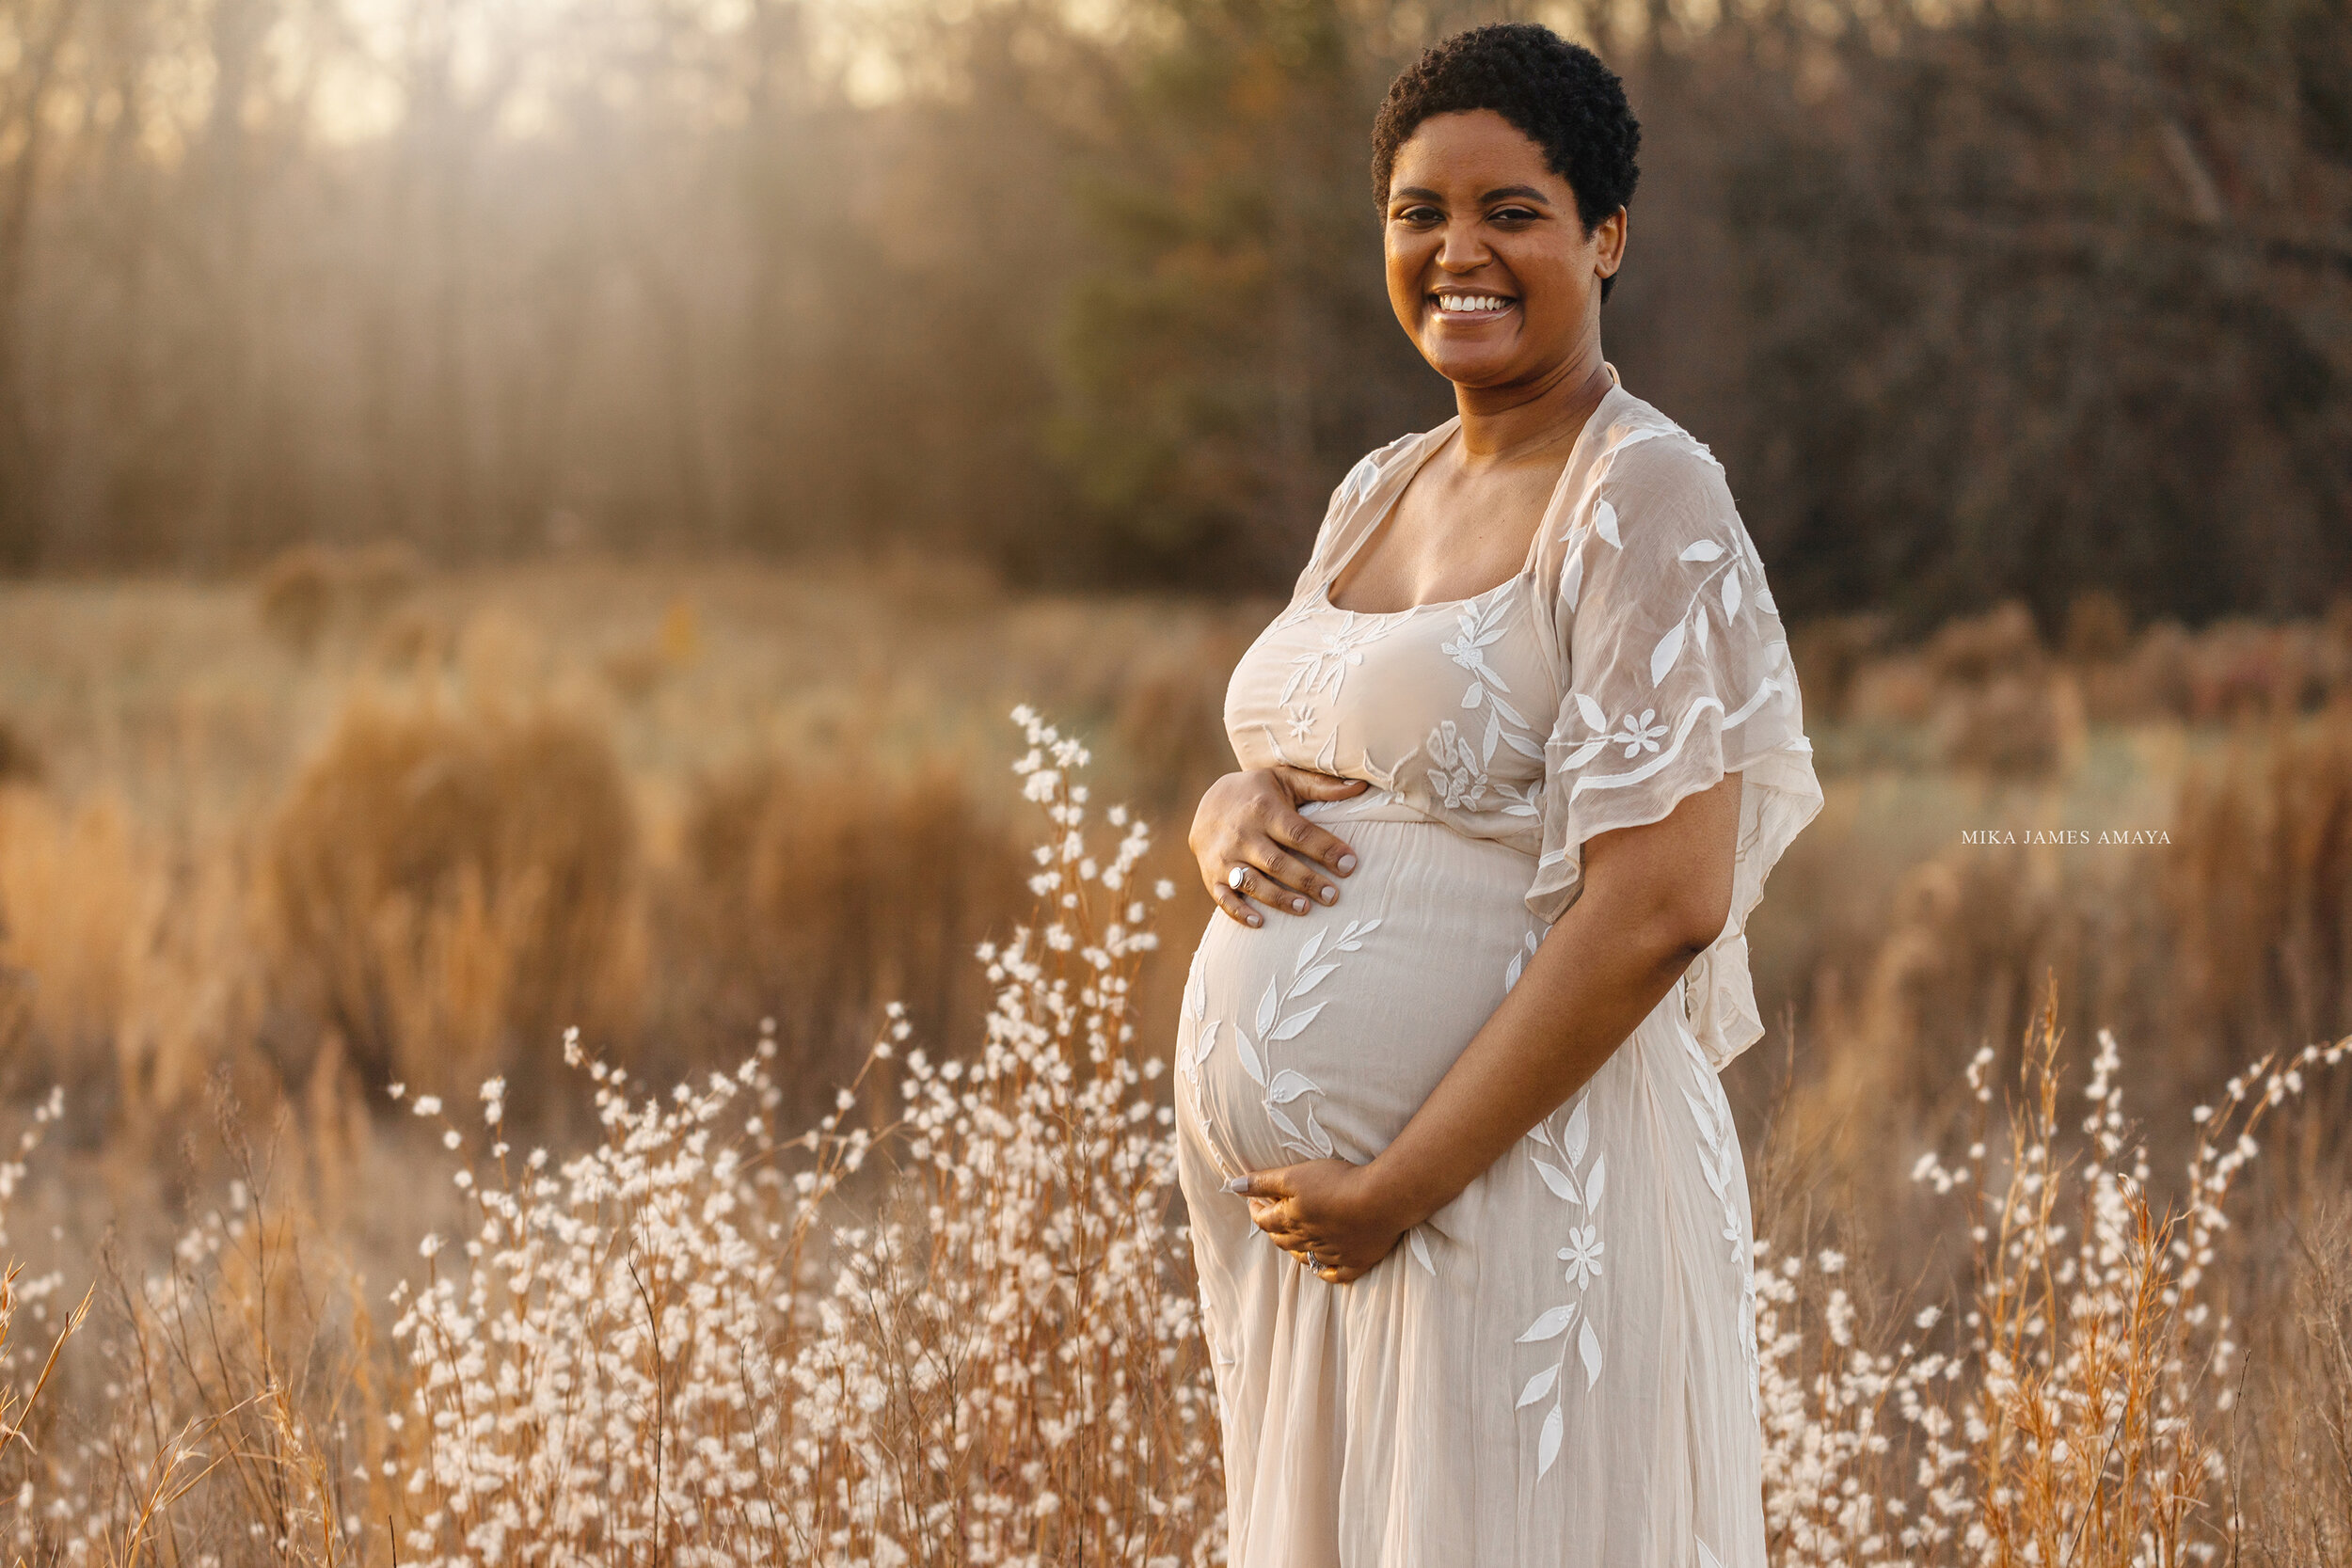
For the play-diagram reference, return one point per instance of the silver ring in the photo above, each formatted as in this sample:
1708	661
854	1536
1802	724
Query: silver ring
1234	878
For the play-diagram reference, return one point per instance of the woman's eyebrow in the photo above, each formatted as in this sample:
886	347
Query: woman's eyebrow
1523	192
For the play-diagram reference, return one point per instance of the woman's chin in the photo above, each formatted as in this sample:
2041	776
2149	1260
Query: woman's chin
1470	367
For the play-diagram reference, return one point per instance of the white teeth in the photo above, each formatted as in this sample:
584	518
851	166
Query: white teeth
1470	302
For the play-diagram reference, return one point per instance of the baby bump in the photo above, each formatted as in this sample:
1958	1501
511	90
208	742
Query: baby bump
1322	1034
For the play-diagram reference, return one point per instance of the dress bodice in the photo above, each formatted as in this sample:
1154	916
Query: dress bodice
1635	659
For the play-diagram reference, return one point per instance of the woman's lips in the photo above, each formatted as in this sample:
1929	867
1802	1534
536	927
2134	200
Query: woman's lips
1467	307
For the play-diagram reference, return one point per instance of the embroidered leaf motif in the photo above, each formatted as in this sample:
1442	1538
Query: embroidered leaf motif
1594	1181
1591	713
1562	1185
1707	1559
1548	1447
1248	1053
1472	697
1204	1042
1551	1325
1578	1131
1291	1026
1661	659
1605	524
1764	600
1699	631
1539	1385
1291	1134
1524	745
1420	1250
1731	591
1289	1085
1572	580
1703	550
1316	1135
1310	980
1306	956
1588	1352
1586	753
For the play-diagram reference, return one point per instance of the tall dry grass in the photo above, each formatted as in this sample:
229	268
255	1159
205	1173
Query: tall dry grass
451	890
966	1334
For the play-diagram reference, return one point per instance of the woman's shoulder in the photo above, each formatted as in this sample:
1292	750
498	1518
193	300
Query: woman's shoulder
1368	468
1638	436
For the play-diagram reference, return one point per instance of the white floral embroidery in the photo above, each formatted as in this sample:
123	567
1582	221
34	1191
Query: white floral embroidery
1583	1254
1460	779
1518	966
1277	1021
1480	627
1322	671
1719	1162
1584	1189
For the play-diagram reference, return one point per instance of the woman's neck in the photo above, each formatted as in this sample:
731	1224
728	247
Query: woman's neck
1502	425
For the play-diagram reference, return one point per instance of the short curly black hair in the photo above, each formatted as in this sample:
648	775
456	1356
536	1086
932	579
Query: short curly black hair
1559	93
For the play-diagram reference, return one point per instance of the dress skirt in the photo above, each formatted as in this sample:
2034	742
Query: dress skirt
1558	1369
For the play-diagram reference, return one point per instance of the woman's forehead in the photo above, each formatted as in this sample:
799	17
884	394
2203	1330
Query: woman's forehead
1468	146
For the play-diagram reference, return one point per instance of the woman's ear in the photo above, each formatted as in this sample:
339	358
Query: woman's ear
1610	251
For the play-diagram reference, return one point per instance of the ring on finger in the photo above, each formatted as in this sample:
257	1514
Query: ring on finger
1236	877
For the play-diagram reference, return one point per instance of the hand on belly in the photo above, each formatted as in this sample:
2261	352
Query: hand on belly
1324	1213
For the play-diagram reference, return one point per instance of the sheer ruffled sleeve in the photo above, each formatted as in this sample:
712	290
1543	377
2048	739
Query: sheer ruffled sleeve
1677	674
1339	514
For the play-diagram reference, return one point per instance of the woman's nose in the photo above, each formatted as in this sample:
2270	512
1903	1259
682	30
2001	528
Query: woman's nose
1461	249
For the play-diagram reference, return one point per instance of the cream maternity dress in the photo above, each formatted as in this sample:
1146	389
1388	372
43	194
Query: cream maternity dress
1559	1368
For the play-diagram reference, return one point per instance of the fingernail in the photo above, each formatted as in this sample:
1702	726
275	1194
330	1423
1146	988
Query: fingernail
1347	864
1331	894
1255	921
1238	1185
1299	906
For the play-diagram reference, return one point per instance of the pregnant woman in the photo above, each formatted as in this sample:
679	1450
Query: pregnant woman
1470	1214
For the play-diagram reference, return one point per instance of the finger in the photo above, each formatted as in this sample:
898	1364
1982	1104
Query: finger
1326	848
1272	1182
1252	882
1293	873
1304	783
1235	904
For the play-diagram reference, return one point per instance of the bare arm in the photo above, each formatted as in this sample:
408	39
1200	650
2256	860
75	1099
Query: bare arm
1654	899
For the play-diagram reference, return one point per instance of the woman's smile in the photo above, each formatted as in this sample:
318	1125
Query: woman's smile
1461	308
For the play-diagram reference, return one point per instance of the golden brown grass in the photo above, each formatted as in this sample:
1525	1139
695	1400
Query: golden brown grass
450	890
671	803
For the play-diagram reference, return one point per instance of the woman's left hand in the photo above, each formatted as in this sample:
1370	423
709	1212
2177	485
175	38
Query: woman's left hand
1324	1212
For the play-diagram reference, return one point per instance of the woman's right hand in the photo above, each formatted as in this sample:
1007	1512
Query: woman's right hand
1249	820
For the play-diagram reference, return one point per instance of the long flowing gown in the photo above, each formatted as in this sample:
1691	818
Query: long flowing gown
1558	1369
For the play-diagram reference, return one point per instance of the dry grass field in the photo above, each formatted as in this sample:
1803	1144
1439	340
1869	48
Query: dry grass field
270	848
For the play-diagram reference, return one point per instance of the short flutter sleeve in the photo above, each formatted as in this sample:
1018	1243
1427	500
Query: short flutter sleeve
1339	514
1677	672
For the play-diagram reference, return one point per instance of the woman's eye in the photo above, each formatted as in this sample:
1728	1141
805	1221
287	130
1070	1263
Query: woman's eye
1515	215
1420	214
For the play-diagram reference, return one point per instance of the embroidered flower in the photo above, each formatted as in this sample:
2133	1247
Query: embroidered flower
1583	1254
1639	735
1458	779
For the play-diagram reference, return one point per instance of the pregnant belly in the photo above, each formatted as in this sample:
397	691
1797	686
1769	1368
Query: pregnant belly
1322	1034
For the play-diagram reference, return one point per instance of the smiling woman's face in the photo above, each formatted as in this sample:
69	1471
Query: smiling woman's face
1490	270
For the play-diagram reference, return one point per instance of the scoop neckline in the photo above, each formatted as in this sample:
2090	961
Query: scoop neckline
1323	592
1444	432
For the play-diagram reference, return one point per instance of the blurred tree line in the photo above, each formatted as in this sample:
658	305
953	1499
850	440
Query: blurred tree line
1974	298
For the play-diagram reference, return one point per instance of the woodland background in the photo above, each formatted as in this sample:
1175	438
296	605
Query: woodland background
530	514
1975	300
